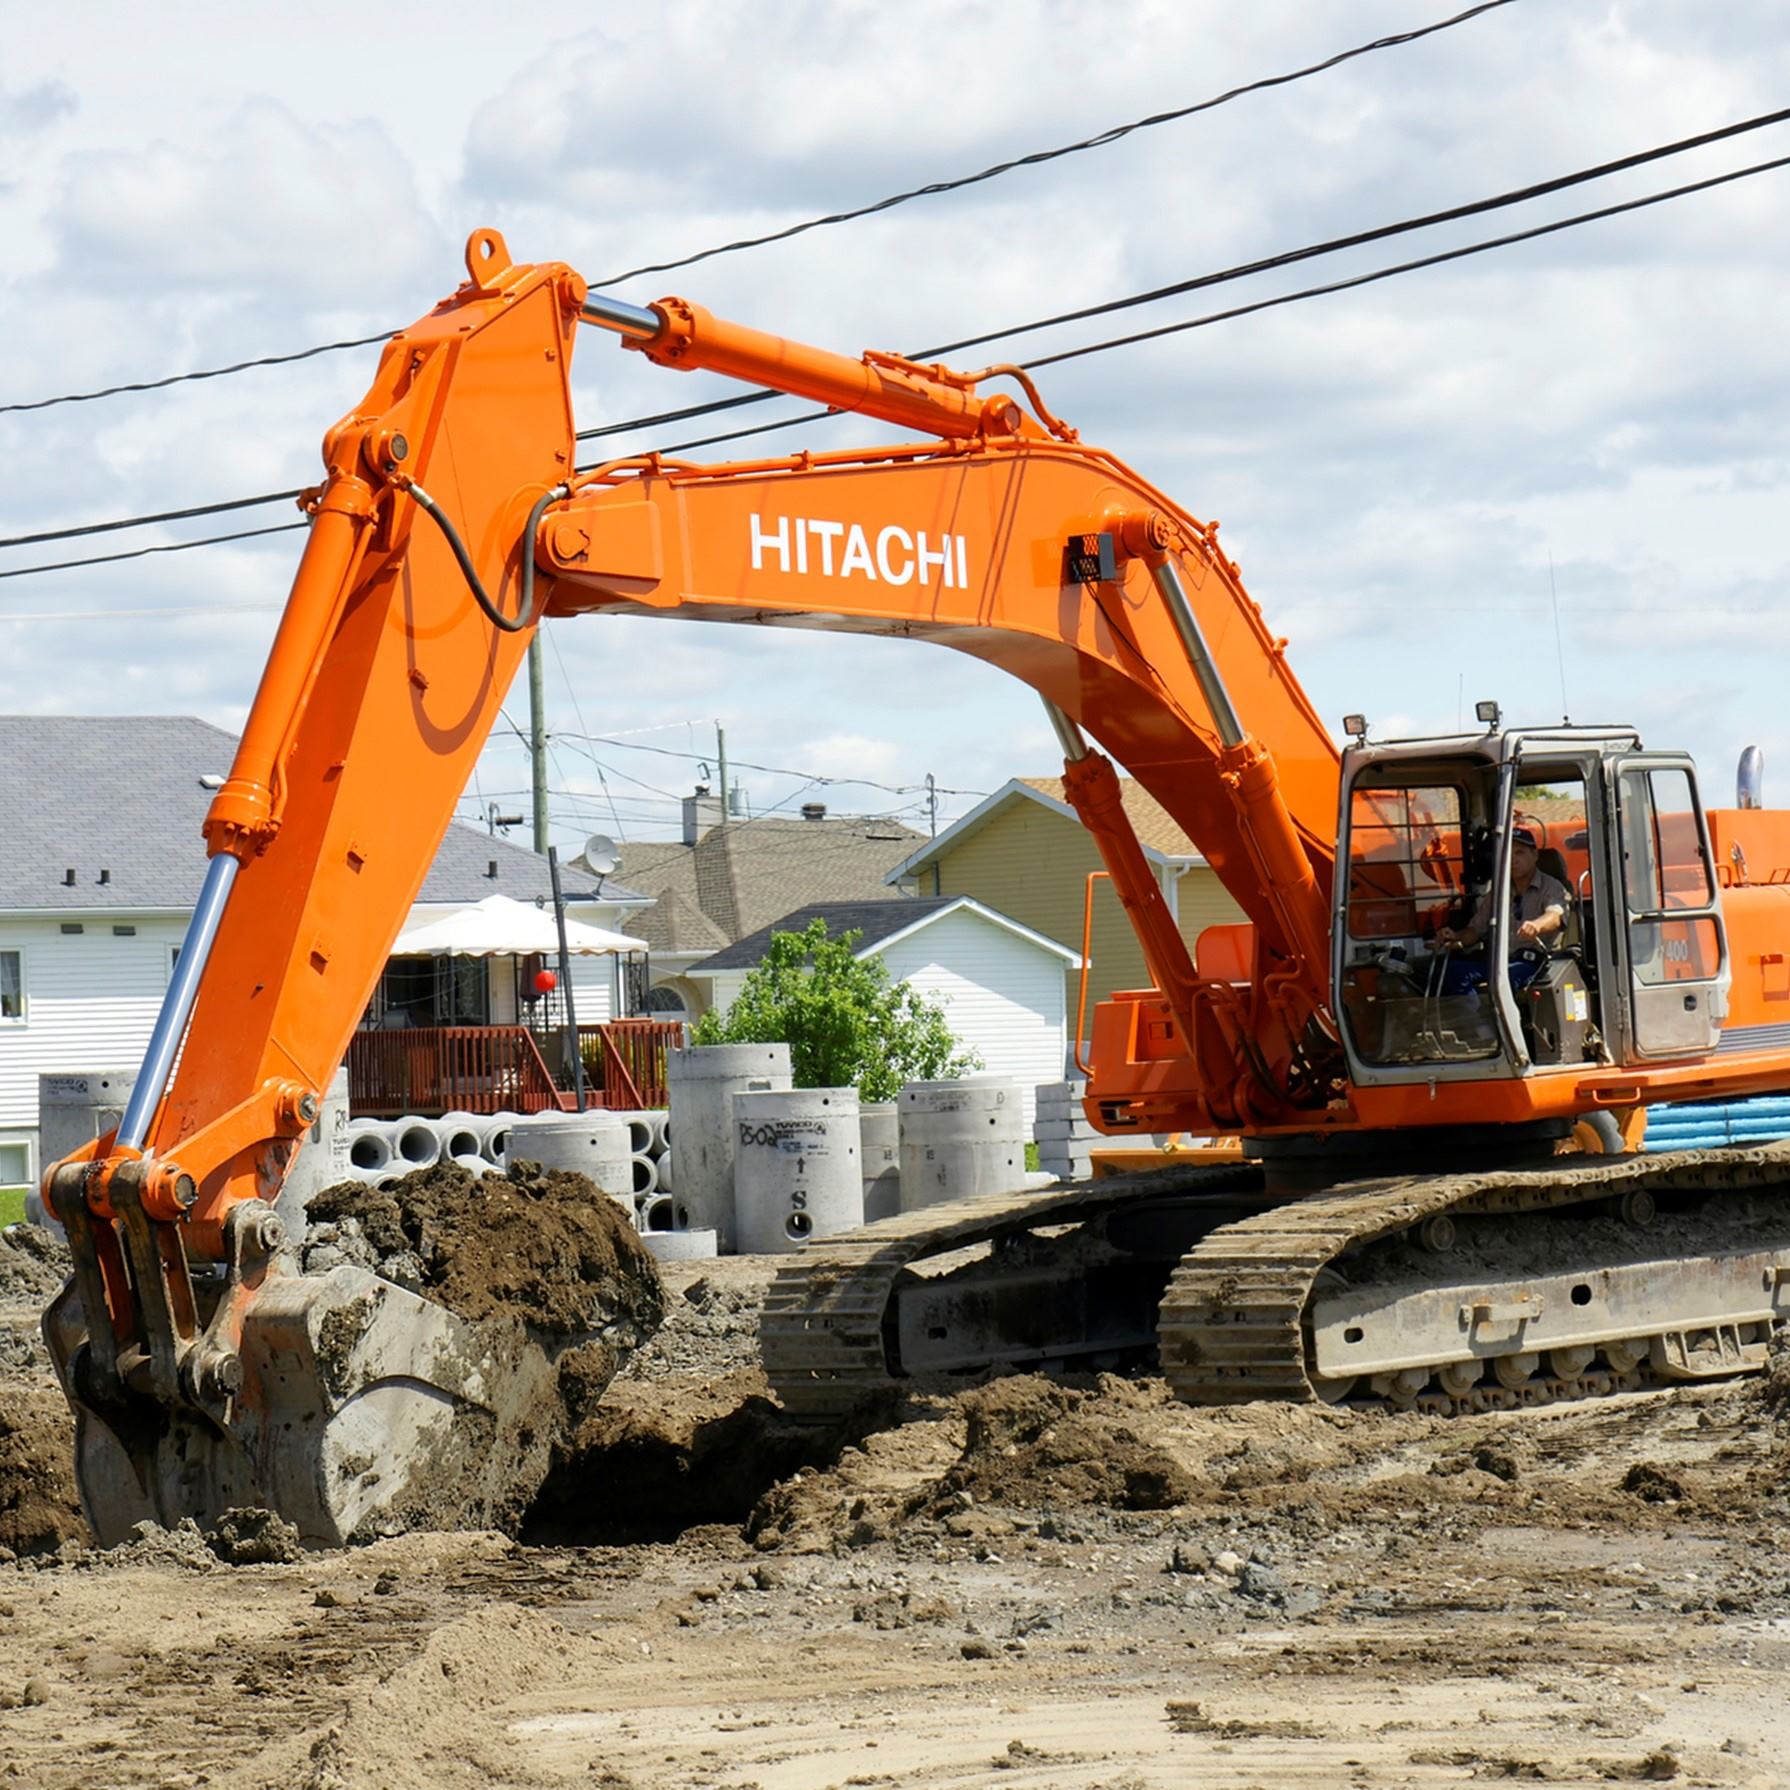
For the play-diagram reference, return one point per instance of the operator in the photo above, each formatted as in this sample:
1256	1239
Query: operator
1538	907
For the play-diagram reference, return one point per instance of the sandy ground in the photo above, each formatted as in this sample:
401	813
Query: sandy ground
1079	1586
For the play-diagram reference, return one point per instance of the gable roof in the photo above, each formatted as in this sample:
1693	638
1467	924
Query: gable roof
1158	832
743	874
122	794
880	922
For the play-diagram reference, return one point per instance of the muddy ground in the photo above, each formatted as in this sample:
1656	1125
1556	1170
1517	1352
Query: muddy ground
1077	1586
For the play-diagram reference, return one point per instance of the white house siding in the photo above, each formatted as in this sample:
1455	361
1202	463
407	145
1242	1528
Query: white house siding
1003	996
90	1003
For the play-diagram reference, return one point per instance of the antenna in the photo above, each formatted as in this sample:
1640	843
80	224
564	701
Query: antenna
1559	650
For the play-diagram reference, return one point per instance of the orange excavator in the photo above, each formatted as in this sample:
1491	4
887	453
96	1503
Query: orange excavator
1404	1226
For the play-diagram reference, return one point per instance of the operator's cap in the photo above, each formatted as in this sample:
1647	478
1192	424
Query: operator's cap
1523	836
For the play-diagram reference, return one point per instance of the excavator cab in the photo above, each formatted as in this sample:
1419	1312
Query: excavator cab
1637	973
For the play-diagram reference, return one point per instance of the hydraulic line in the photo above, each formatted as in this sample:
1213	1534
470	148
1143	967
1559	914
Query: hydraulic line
525	616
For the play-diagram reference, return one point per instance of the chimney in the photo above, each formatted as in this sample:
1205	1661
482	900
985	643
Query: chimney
701	812
814	811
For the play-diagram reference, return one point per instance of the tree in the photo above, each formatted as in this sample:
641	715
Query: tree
845	1022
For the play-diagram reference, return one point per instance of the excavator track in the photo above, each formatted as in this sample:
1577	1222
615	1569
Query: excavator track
1234	1323
826	1330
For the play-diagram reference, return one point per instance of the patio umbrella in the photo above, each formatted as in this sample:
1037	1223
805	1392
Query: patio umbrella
500	926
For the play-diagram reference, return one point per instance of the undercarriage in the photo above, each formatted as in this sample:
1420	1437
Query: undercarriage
1573	1276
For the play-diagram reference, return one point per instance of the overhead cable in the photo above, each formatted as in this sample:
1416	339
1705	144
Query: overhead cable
806	417
1287	258
933	189
1039	156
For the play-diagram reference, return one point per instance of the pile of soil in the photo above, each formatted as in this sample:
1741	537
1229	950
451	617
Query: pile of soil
39	1509
33	1265
548	1246
1033	1441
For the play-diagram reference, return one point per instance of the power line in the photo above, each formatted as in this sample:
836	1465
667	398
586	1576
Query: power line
106	559
1040	156
1100	140
1287	258
1366	279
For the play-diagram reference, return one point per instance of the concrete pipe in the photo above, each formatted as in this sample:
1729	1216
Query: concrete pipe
661	1214
701	1083
416	1143
959	1139
370	1147
879	1135
681	1246
495	1143
661	1130
798	1168
473	1164
667	1174
462	1134
593	1144
646	1173
640	1133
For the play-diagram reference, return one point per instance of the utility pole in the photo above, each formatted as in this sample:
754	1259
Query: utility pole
721	763
537	739
932	823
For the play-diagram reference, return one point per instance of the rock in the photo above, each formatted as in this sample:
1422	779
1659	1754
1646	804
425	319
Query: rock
36	1691
976	1650
250	1537
1229	1563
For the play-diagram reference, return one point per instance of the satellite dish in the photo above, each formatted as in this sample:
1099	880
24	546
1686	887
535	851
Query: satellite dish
599	856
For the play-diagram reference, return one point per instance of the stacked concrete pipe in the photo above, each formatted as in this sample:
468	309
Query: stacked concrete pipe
701	1083
961	1138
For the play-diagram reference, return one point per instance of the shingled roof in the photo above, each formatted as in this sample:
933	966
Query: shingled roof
743	874
121	795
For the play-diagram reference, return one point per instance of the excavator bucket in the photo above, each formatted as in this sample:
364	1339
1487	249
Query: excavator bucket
353	1407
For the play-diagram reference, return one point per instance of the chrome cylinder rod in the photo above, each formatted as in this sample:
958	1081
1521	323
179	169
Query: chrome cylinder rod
177	1003
1069	736
616	314
1218	701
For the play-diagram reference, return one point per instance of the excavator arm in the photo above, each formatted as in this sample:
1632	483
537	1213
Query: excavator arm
450	519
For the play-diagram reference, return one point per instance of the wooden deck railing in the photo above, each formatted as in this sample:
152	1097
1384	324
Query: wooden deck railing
624	1061
436	1069
431	1070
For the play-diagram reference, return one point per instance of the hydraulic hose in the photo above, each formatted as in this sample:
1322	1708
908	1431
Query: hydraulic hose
525	616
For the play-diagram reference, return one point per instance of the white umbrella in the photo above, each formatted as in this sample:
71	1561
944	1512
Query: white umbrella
499	926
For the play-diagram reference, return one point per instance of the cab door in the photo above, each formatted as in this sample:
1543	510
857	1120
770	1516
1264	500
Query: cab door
1671	945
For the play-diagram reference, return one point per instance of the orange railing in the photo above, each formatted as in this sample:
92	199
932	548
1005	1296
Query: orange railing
487	1069
438	1069
624	1061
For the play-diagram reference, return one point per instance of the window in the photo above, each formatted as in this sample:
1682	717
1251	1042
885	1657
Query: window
12	986
15	1166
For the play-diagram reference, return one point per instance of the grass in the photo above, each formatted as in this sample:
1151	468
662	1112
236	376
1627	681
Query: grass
12	1205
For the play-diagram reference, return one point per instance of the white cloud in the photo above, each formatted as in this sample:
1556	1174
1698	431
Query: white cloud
1394	466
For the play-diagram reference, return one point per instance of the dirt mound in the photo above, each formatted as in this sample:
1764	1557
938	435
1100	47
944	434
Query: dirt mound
1037	1441
39	1509
33	1265
549	1246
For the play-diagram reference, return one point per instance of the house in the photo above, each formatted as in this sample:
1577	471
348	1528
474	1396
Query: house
1002	985
727	878
101	859
1024	853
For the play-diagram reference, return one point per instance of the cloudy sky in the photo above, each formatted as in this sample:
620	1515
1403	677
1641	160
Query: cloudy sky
1554	474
